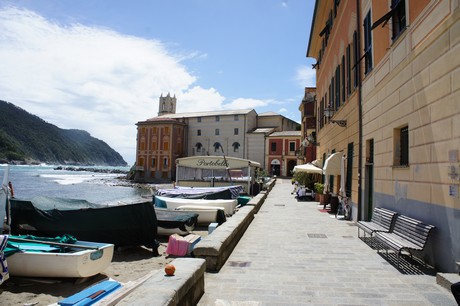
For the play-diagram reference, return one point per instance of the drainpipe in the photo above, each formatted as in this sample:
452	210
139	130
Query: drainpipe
360	113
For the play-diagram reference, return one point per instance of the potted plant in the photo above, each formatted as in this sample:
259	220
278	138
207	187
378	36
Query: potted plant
323	198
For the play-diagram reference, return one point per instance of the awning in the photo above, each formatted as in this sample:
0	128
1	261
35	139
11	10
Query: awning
318	163
332	164
309	168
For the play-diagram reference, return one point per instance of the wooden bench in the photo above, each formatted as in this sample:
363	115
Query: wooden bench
407	235
382	220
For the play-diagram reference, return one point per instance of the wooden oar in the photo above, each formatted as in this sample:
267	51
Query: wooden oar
55	243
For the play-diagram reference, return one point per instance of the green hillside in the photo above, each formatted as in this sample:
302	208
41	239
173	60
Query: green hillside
27	138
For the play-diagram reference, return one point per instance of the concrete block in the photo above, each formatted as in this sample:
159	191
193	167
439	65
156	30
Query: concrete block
185	287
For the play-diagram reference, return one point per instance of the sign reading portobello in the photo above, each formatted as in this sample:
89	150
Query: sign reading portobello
215	162
212	163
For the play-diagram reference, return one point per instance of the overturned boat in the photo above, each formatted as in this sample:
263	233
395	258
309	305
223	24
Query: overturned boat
122	225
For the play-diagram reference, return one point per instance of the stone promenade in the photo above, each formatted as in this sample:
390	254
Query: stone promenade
294	254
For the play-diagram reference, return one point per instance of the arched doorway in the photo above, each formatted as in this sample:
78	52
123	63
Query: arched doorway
275	167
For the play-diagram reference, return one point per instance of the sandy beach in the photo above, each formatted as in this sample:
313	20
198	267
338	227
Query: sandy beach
128	264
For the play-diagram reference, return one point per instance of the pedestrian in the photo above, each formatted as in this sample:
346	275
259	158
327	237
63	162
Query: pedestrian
455	288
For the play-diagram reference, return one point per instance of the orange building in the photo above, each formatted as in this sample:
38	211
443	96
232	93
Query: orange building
282	150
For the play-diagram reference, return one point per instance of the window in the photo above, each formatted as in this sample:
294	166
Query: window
165	162
153	162
404	143
217	118
367	43
154	145
198	146
397	14
198	119
166	146
291	146
217	146
236	118
166	130
273	146
401	146
236	146
217	132
399	17
337	88
235	131
355	59
348	70
198	132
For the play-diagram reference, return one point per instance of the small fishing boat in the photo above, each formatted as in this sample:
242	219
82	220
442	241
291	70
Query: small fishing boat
30	256
206	214
224	192
175	221
229	206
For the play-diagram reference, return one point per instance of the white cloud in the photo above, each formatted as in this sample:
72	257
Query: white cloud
306	76
92	78
282	110
245	103
199	99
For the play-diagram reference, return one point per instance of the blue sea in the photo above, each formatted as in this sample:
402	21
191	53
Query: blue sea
95	187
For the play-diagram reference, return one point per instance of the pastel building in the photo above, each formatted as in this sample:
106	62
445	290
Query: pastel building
389	70
170	135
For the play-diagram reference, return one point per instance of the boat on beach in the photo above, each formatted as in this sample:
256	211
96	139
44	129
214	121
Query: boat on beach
224	192
34	257
121	225
206	214
172	221
229	206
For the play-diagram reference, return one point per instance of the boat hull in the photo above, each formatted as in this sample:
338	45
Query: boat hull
76	263
206	214
175	221
229	206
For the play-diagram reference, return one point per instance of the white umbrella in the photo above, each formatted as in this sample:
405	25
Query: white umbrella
309	168
331	167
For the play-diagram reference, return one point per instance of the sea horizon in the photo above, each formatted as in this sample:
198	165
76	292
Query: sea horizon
31	181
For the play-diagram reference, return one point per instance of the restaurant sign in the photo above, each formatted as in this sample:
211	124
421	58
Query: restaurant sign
215	162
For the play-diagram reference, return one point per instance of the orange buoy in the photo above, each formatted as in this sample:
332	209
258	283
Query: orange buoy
170	269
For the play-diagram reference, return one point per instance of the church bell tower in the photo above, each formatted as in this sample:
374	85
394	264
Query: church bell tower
167	105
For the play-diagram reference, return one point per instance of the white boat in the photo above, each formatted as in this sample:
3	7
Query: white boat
206	214
229	206
46	259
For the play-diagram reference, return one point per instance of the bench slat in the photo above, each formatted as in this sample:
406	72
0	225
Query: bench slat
407	234
381	221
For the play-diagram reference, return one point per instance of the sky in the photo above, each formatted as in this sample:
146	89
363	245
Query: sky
102	65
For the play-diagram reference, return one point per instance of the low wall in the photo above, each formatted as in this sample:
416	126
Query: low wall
217	247
185	287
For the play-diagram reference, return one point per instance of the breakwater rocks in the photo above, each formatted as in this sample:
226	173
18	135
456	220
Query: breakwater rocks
91	169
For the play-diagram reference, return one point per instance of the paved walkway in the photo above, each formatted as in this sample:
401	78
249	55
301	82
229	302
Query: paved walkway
294	254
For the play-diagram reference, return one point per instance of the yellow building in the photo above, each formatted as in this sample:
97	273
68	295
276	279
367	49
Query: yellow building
399	66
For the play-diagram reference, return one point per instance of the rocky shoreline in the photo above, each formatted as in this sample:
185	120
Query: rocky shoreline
92	169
